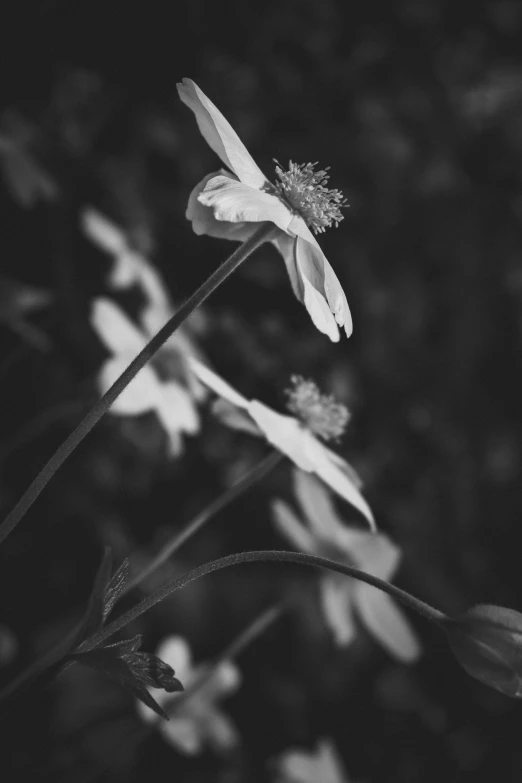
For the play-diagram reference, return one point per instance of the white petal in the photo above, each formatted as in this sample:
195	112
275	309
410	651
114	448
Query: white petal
115	329
286	246
235	202
337	601
322	766
143	394
217	384
319	311
184	734
290	526
283	432
176	409
225	679
331	769
387	623
103	232
220	135
204	222
175	651
317	505
377	555
220	732
337	479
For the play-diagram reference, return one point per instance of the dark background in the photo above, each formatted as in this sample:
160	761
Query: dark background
417	108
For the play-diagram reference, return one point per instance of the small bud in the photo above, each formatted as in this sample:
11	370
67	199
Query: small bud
487	641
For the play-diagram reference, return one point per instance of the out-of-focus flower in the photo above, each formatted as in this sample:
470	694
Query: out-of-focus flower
321	766
232	205
296	438
323	533
487	642
23	174
195	720
163	385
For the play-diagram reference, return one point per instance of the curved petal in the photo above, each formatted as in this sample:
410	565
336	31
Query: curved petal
217	384
142	395
387	623
204	222
220	136
320	277
235	202
283	432
291	527
115	329
317	505
103	232
337	601
286	246
331	474
319	311
175	651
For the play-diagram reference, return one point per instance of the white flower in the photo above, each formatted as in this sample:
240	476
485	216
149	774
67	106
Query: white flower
160	386
196	721
321	766
290	436
231	204
323	533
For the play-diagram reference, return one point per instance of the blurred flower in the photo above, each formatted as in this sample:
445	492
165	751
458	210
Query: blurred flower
293	437
322	766
231	206
487	642
323	533
194	718
162	386
23	174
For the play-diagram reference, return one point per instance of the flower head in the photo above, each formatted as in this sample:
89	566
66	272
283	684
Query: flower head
195	720
321	766
323	533
161	386
290	436
487	642
231	204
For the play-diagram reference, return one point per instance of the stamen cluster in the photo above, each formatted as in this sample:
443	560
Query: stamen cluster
304	190
320	413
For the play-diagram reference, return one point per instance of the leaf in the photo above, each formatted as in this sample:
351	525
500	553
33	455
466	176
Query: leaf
115	588
94	614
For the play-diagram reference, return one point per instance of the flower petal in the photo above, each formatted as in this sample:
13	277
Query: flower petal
217	384
142	395
319	311
283	432
337	479
175	651
337	597
286	246
115	329
103	232
376	554
177	413
220	732
220	136
225	679
184	734
204	222
317	505
387	623
235	202
291	527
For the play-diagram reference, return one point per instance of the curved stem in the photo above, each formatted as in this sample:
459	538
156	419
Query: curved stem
245	482
273	556
101	407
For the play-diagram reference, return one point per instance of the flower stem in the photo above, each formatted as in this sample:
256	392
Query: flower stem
245	482
273	556
102	406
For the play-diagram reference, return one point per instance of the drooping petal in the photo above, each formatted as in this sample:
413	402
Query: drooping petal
337	597
286	246
235	202
203	219
339	480
319	311
220	136
115	329
217	384
387	623
291	527
142	395
283	432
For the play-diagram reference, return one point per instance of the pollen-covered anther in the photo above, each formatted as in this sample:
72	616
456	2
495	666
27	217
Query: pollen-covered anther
320	413
305	192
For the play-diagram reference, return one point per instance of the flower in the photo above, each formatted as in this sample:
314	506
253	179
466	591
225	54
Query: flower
293	437
162	386
487	642
231	204
195	720
324	534
322	766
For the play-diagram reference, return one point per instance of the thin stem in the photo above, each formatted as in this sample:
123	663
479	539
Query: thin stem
273	556
245	482
101	407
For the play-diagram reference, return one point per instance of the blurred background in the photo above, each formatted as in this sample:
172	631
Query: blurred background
417	108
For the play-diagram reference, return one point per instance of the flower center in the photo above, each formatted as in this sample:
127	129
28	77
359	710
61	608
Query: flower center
321	414
304	190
